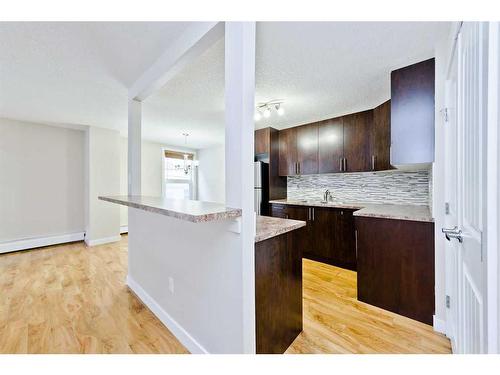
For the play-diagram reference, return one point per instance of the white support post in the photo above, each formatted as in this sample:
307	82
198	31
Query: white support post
134	147
239	109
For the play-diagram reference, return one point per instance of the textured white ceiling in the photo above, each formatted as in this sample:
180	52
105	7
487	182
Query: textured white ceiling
79	73
76	72
321	70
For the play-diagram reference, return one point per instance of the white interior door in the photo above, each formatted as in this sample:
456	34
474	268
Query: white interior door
471	111
451	212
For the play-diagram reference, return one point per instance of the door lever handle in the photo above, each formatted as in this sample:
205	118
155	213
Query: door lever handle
453	233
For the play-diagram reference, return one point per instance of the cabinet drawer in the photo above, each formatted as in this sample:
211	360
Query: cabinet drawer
279	210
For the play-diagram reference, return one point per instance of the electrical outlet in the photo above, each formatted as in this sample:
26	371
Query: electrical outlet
171	284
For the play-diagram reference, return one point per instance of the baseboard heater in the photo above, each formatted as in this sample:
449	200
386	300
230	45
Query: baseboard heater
32	243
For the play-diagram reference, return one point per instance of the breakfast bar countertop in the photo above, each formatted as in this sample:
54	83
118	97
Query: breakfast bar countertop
268	227
183	209
384	211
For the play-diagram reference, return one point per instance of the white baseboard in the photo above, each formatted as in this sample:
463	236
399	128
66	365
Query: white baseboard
124	229
31	243
102	241
439	325
177	330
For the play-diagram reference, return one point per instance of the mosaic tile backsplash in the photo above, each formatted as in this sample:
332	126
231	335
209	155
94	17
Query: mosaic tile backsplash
397	187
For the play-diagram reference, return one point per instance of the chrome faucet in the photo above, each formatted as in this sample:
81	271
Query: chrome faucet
326	195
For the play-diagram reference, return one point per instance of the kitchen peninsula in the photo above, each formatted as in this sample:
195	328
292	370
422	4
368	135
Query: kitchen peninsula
178	268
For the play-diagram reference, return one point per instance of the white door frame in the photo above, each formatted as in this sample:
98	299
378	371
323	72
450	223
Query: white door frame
492	189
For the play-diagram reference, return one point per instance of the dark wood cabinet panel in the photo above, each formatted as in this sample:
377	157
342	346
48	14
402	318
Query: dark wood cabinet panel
412	113
277	183
278	211
330	145
307	149
381	137
288	152
329	235
395	264
323	232
305	235
357	141
262	141
278	293
333	237
345	244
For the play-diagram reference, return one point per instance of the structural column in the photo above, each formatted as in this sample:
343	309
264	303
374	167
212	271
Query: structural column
239	109
134	146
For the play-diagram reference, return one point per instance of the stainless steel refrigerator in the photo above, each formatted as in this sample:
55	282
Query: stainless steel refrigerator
261	188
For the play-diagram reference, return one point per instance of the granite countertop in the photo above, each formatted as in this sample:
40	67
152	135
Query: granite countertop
268	227
386	211
183	209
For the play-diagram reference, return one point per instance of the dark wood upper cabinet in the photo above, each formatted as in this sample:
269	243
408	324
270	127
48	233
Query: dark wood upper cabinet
412	114
262	141
307	149
381	137
267	147
357	141
330	145
288	152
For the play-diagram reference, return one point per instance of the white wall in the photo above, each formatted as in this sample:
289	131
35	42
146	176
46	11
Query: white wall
102	177
211	174
41	180
205	308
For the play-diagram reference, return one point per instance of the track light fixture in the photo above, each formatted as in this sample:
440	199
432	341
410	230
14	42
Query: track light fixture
265	109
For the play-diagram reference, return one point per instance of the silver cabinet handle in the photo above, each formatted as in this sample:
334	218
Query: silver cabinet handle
453	233
309	214
299	166
356	240
296	168
345	164
313	213
340	164
373	162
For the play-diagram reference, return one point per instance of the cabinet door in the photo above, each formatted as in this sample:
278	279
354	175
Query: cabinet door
381	138
304	234
345	240
262	141
307	149
357	141
412	113
288	152
330	145
324	234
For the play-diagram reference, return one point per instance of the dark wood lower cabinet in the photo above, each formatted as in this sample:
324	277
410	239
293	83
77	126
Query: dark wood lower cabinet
305	235
333	237
329	235
396	266
278	293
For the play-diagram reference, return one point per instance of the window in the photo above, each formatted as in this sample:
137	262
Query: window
180	175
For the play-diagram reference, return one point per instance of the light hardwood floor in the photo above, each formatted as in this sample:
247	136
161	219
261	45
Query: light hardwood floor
336	322
72	299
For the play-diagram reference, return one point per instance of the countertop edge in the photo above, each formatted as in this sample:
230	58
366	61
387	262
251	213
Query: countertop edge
215	216
283	230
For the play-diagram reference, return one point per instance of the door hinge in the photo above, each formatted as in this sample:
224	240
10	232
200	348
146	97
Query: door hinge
445	114
448	303
447	208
